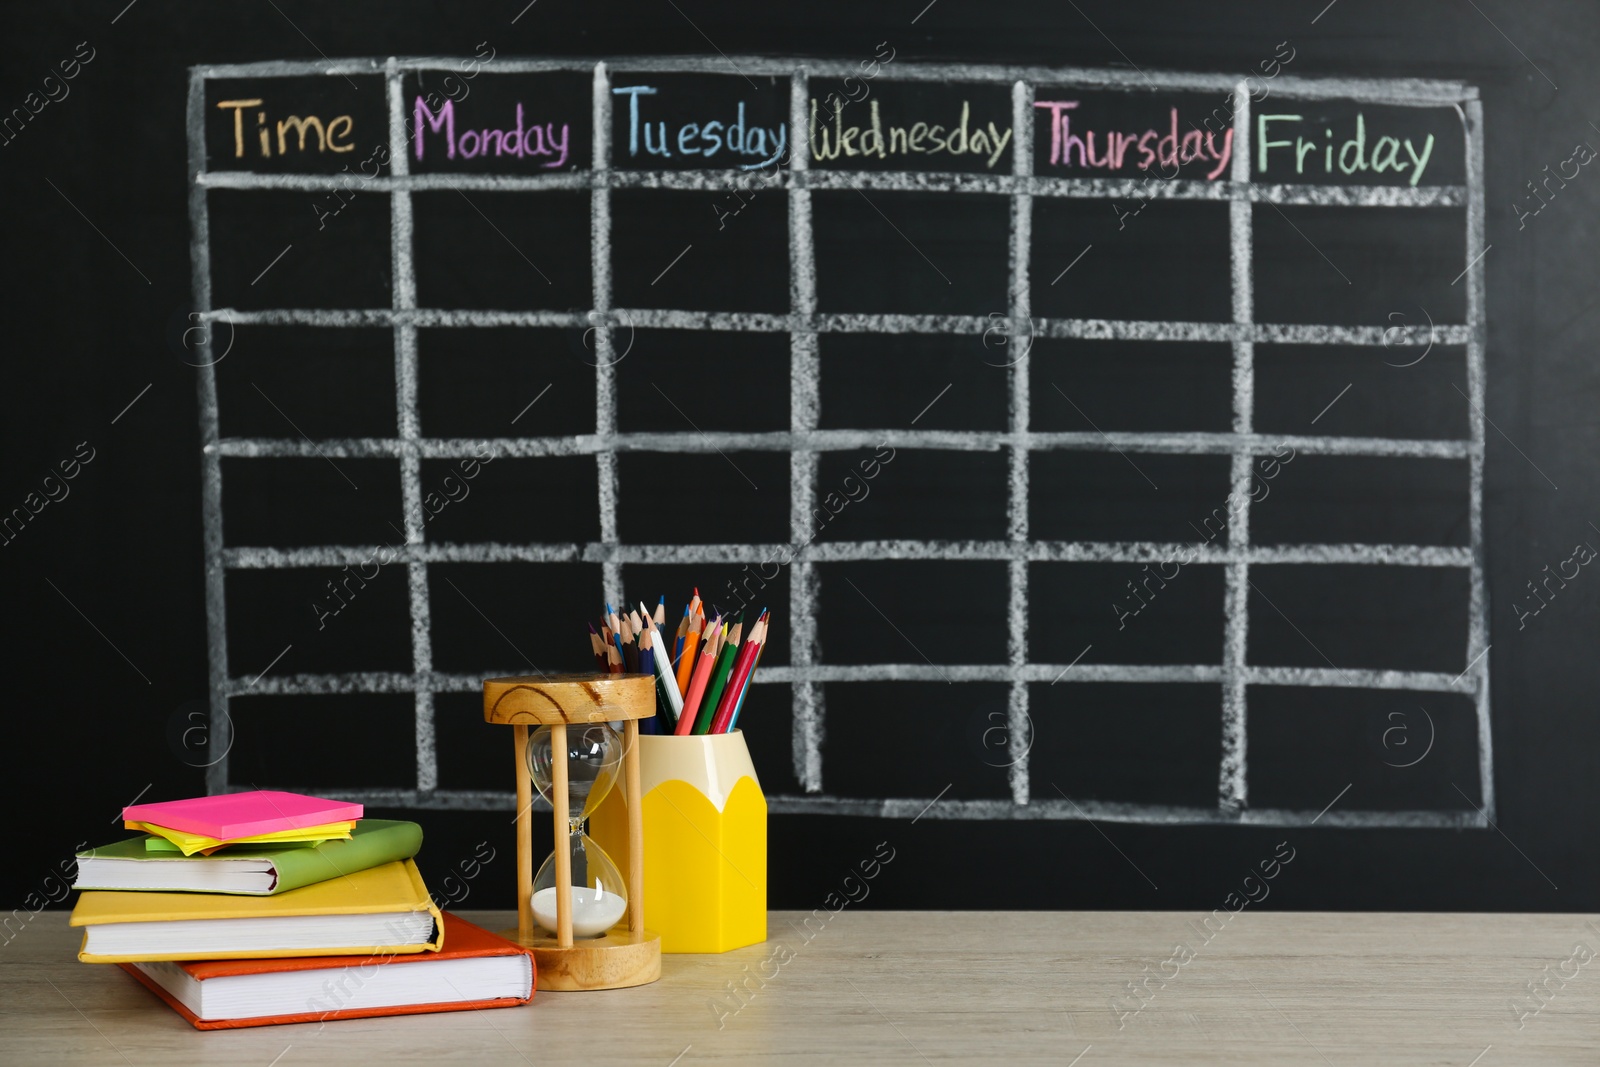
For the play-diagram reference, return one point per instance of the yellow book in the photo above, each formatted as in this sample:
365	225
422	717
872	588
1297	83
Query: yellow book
384	909
189	843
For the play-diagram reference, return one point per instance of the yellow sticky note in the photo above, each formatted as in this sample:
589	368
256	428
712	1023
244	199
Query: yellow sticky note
189	844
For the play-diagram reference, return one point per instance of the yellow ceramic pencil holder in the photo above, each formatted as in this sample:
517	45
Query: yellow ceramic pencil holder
705	832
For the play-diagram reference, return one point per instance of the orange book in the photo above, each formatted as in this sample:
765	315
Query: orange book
475	969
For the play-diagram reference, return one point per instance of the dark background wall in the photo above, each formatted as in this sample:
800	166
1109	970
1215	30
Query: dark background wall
104	632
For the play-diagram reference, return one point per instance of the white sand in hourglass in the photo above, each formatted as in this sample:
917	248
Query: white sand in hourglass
594	911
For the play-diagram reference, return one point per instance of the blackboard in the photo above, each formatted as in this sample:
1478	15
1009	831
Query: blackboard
1145	440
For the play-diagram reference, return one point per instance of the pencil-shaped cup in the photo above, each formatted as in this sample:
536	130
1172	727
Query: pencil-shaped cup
705	841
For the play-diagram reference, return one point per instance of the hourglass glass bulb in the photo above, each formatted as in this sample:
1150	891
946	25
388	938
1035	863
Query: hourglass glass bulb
594	753
598	898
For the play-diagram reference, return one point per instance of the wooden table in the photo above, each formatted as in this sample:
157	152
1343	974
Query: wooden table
930	987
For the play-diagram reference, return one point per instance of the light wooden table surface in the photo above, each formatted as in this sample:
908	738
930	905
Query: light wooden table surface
930	987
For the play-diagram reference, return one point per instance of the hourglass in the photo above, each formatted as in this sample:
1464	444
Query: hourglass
572	912
594	751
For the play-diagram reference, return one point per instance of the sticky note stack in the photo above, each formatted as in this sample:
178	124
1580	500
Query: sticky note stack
264	816
291	885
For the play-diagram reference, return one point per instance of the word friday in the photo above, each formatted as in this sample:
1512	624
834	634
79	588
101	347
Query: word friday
1352	153
702	139
514	140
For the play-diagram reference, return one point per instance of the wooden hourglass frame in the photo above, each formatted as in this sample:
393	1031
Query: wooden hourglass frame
627	954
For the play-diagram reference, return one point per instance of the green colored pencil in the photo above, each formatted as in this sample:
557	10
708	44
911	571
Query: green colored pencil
719	679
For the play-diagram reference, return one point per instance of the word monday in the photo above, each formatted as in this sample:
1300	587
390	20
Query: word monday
514	139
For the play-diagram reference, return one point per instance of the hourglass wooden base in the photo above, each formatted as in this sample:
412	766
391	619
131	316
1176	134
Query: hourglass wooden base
617	960
627	954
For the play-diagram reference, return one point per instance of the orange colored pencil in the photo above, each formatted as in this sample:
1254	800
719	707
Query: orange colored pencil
691	641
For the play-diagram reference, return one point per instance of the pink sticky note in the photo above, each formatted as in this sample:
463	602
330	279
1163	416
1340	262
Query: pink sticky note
231	815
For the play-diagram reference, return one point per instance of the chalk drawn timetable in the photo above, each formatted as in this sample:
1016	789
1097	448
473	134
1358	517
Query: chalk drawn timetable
1023	174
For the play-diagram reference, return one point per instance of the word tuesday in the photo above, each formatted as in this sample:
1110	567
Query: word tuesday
702	139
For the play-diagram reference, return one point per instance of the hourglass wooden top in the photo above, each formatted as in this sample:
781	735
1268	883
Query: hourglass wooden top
563	698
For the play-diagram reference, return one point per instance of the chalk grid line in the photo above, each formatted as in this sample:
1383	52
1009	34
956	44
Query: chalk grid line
760	322
408	422
714	179
605	381
1019	725
805	441
1236	590
805	405
219	733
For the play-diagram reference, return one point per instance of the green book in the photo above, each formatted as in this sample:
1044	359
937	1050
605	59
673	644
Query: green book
248	870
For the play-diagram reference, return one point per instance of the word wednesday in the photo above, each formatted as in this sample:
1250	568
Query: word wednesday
986	142
514	140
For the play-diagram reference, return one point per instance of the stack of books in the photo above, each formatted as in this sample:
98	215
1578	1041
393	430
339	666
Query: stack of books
270	907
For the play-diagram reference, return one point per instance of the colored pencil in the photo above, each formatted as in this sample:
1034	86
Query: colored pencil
628	644
736	681
677	642
686	650
648	661
719	680
663	670
702	675
711	647
616	634
698	681
760	648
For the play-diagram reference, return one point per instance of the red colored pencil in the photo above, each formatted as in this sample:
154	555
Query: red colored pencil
704	667
736	681
739	706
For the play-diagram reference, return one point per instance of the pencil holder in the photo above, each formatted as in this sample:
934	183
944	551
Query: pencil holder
705	833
